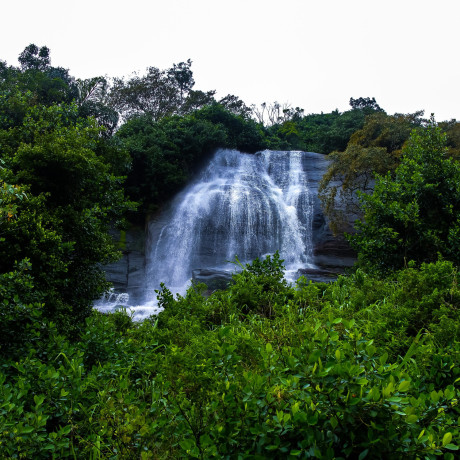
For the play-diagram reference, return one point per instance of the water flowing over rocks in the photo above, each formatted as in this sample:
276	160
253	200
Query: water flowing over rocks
240	205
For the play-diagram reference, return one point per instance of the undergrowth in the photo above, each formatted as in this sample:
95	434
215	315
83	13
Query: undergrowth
359	368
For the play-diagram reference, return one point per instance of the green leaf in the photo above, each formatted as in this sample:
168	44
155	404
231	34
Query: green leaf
404	386
383	358
312	419
334	422
39	400
363	454
205	441
447	438
295	408
187	444
26	429
451	446
268	347
272	447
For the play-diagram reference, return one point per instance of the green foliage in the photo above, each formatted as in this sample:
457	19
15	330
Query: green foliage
166	154
67	192
397	308
20	311
35	58
365	103
260	288
158	94
210	378
452	129
415	215
321	133
92	101
242	133
373	149
387	131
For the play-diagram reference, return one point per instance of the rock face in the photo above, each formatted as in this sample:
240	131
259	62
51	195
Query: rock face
128	273
331	253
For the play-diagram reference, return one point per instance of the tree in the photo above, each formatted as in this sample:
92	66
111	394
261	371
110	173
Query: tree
196	100
275	113
373	149
93	101
388	131
452	129
416	214
73	195
183	76
50	85
365	103
165	154
235	105
159	93
35	58
242	133
155	94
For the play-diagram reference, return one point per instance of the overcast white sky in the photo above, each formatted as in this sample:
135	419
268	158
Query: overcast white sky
315	54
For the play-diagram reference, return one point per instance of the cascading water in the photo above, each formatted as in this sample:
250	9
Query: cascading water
241	205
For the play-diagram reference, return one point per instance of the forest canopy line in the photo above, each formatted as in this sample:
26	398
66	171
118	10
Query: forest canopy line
364	367
169	128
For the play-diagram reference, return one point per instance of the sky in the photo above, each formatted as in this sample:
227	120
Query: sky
312	54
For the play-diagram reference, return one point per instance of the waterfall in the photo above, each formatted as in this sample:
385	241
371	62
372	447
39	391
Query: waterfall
240	205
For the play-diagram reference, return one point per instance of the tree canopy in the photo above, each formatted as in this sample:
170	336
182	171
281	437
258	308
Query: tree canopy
62	189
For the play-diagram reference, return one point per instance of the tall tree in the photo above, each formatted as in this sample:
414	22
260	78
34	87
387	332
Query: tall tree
196	100
235	105
158	94
388	131
373	149
93	101
365	103
35	58
183	76
154	94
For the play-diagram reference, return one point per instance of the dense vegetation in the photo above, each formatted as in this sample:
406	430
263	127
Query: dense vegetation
61	190
365	367
361	368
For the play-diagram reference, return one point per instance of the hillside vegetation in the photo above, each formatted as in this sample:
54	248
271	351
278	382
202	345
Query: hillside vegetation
364	367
